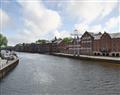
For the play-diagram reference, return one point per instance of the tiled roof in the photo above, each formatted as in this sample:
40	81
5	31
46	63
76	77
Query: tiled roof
115	35
96	36
58	41
91	33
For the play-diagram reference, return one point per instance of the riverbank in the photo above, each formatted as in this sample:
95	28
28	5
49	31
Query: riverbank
86	57
6	67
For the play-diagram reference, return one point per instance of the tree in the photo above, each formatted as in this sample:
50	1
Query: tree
3	40
67	40
41	41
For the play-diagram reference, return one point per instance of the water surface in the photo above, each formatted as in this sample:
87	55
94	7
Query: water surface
39	74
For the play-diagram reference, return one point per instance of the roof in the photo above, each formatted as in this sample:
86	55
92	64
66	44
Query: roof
96	36
58	41
91	33
115	35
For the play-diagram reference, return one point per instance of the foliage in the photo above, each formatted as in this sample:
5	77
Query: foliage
41	41
3	40
67	40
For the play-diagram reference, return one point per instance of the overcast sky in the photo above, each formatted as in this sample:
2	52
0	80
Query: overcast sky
30	20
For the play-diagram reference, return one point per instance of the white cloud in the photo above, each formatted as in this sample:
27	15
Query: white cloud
113	24
82	27
96	28
87	11
41	22
4	19
16	39
108	7
61	34
38	20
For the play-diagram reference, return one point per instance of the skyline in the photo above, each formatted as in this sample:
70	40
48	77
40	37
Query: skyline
28	21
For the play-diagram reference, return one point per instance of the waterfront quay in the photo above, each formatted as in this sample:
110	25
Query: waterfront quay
86	57
89	44
6	66
40	74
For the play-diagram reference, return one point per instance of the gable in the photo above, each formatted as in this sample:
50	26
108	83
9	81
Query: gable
86	35
105	36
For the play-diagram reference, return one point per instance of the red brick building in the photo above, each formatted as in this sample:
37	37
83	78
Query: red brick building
96	43
62	47
115	44
105	44
74	46
100	44
86	43
55	47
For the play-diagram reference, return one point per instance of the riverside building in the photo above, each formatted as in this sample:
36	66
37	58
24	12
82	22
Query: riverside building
100	44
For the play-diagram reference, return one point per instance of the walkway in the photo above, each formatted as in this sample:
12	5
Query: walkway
116	59
3	63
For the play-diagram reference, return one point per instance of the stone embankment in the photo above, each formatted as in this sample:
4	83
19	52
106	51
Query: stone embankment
87	57
6	67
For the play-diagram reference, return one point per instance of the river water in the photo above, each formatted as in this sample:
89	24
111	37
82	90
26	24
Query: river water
38	74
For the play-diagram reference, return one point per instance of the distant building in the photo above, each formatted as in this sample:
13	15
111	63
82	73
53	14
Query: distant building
55	47
105	44
87	43
62	47
74	46
100	44
110	44
44	48
34	48
97	43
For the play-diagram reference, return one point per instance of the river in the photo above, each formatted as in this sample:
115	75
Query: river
38	74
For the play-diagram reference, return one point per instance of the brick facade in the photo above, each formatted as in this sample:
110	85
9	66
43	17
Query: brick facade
107	45
89	44
100	44
86	44
74	46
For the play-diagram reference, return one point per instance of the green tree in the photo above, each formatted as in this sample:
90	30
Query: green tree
41	41
3	40
67	40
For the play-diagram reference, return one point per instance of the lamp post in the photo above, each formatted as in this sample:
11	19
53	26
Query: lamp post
75	34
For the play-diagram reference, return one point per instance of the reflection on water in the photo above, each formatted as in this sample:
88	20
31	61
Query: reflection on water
43	78
49	75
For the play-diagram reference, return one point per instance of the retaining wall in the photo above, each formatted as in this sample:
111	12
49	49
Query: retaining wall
5	70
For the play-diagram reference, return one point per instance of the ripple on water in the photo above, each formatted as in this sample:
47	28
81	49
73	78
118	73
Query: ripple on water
43	78
50	75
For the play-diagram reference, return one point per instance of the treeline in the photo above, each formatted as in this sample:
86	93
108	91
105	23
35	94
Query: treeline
66	40
3	41
44	46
